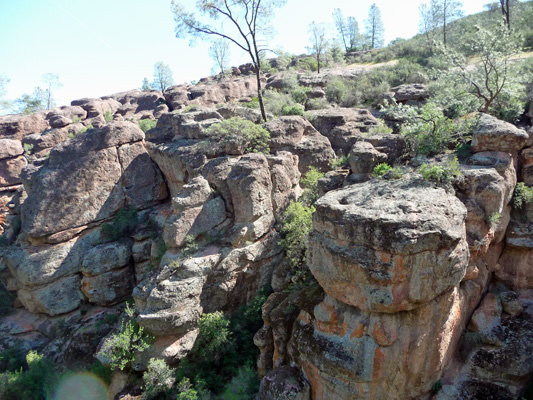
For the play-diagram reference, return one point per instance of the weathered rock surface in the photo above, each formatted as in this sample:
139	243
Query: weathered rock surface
296	135
87	179
364	157
10	148
97	107
492	134
11	169
210	94
20	125
410	92
386	246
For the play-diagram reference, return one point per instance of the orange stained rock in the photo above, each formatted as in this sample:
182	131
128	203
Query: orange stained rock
381	335
378	366
313	377
358	332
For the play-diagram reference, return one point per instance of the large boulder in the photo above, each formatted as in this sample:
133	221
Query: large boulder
10	148
97	107
88	179
410	92
136	103
296	135
388	246
364	157
20	125
492	134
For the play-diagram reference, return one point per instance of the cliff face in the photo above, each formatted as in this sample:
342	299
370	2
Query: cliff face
414	283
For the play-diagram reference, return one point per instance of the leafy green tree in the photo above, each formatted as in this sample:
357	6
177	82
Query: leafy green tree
374	29
28	104
490	76
248	26
163	78
146	85
444	12
352	33
219	53
318	40
342	29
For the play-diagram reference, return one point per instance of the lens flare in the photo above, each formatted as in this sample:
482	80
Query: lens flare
84	386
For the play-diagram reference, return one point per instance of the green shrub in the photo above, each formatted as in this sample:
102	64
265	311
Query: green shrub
444	173
296	109
339	162
253	104
493	219
123	224
120	349
213	336
37	382
307	63
186	391
310	184
381	169
11	359
244	386
6	300
381	129
295	232
158	378
522	195
236	129
28	148
275	101
147	124
316	104
108	116
299	94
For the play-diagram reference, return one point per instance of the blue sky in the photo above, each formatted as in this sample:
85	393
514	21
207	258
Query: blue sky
100	47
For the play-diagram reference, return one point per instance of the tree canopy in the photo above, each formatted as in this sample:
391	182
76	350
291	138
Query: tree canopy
249	24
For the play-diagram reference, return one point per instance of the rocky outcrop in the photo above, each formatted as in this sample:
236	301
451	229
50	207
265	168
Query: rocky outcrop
12	161
297	136
210	94
97	107
492	134
90	178
18	126
139	105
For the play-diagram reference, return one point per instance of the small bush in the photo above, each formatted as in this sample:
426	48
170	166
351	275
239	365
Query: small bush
147	124
120	349
380	130
444	173
37	382
310	184
158	378
296	109
316	104
381	169
307	63
522	195
244	386
493	219
108	116
299	94
214	335
253	104
295	232
28	148
124	223
255	138
186	391
101	371
339	162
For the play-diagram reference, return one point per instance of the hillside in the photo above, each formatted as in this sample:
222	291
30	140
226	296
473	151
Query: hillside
370	240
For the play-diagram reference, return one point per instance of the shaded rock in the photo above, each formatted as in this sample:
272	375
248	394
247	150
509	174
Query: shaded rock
285	182
284	383
105	257
20	125
210	94
87	179
296	135
11	169
364	157
250	186
526	161
231	110
511	303
342	125
332	180
59	121
410	92
135	102
10	148
59	297
487	315
97	107
492	134
109	287
386	246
